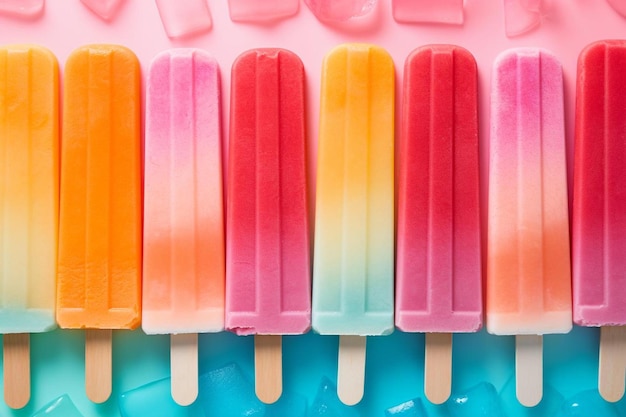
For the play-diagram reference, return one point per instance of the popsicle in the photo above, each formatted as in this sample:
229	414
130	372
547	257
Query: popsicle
99	263
29	198
183	256
353	270
438	270
599	211
268	274
528	262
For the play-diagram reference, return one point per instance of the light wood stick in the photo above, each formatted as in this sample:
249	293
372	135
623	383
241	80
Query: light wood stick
351	369
98	364
529	369
438	367
184	367
612	363
16	370
268	367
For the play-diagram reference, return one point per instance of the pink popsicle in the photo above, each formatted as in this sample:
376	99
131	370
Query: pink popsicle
268	267
184	261
438	274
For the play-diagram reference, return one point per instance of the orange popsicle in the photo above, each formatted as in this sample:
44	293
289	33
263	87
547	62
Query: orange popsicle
99	267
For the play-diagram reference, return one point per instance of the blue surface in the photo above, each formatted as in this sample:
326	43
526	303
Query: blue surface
394	371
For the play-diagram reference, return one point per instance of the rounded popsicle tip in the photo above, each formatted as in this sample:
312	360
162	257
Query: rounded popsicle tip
195	55
343	51
102	49
37	51
253	56
596	51
513	54
427	50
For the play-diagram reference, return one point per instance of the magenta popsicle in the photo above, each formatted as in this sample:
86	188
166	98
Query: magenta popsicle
438	269
268	276
599	214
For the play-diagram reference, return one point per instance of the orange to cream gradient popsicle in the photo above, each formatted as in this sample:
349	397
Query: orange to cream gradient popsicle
29	199
183	258
528	263
99	266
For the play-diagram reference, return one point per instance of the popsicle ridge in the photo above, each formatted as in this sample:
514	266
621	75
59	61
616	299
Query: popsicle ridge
184	264
438	284
29	189
354	231
528	286
99	268
268	265
599	218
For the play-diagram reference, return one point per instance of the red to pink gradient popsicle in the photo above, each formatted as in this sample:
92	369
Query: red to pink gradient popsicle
268	274
184	259
599	213
528	262
438	269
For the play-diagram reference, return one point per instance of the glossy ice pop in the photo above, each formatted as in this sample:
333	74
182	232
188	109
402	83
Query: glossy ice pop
438	274
528	263
183	257
353	269
599	214
29	198
268	267
99	265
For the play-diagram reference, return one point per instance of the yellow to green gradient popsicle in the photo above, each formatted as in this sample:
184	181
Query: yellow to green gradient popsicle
29	189
29	199
354	230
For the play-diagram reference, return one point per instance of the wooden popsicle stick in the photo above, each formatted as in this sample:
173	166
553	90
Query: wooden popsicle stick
98	364
184	367
612	362
438	367
16	369
351	369
529	369
268	367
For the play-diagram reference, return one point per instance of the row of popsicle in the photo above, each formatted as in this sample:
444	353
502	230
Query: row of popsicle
87	245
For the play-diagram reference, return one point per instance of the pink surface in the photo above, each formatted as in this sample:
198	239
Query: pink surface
438	270
599	210
268	276
528	264
183	258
